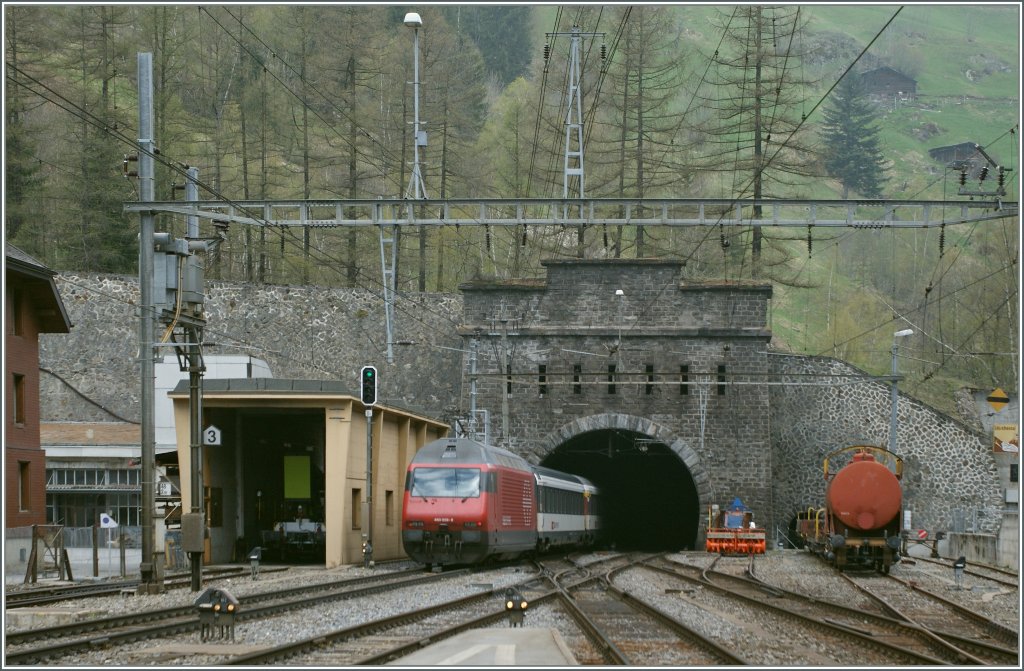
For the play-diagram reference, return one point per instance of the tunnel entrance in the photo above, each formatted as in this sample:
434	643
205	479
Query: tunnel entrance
649	498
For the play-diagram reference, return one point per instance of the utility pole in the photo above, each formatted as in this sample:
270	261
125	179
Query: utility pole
474	343
194	355
147	147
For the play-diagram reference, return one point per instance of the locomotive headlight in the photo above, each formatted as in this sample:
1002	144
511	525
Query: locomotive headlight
231	608
216	607
522	604
508	605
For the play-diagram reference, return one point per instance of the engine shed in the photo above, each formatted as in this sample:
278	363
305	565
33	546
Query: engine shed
283	467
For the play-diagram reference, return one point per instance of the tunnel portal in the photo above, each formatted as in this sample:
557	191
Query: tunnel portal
649	499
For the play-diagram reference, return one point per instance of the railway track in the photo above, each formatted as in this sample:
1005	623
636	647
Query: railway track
992	574
37	646
639	633
804	629
981	640
390	638
610	609
41	596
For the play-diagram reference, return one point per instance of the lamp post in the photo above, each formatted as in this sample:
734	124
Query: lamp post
413	20
621	295
895	396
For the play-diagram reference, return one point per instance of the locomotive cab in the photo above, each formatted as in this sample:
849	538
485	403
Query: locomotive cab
451	513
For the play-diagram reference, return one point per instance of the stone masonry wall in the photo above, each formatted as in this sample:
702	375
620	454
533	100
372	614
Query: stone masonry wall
301	332
768	440
947	466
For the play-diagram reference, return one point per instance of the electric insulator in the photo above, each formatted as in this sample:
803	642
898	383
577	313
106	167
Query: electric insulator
604	233
547	51
487	237
942	240
1001	177
604	51
983	174
721	236
523	243
963	176
810	242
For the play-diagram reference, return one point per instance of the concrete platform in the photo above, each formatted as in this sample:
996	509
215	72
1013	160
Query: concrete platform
507	646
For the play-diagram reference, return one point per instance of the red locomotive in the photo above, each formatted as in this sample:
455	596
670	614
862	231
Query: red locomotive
466	502
732	531
860	523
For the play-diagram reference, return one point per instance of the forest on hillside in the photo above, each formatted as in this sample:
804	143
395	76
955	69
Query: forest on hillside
274	102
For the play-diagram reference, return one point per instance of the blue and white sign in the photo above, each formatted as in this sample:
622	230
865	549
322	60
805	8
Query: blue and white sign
107	522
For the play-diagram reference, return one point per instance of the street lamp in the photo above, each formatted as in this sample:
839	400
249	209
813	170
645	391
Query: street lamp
895	396
621	295
413	20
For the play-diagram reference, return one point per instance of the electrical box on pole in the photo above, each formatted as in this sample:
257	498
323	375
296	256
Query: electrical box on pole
368	385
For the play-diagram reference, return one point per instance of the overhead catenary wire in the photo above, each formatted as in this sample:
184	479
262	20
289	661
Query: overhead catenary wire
945	270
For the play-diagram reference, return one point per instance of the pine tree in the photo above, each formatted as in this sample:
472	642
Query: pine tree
753	104
850	134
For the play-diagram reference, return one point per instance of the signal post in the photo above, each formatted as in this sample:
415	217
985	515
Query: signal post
368	395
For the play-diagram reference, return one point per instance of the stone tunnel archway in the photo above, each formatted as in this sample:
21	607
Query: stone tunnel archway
653	485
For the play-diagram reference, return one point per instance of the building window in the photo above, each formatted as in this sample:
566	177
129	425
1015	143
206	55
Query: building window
611	378
542	379
24	486
721	380
684	380
649	387
577	373
17	318
357	509
19	398
389	508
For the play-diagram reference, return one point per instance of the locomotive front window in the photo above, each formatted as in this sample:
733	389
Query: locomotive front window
453	482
